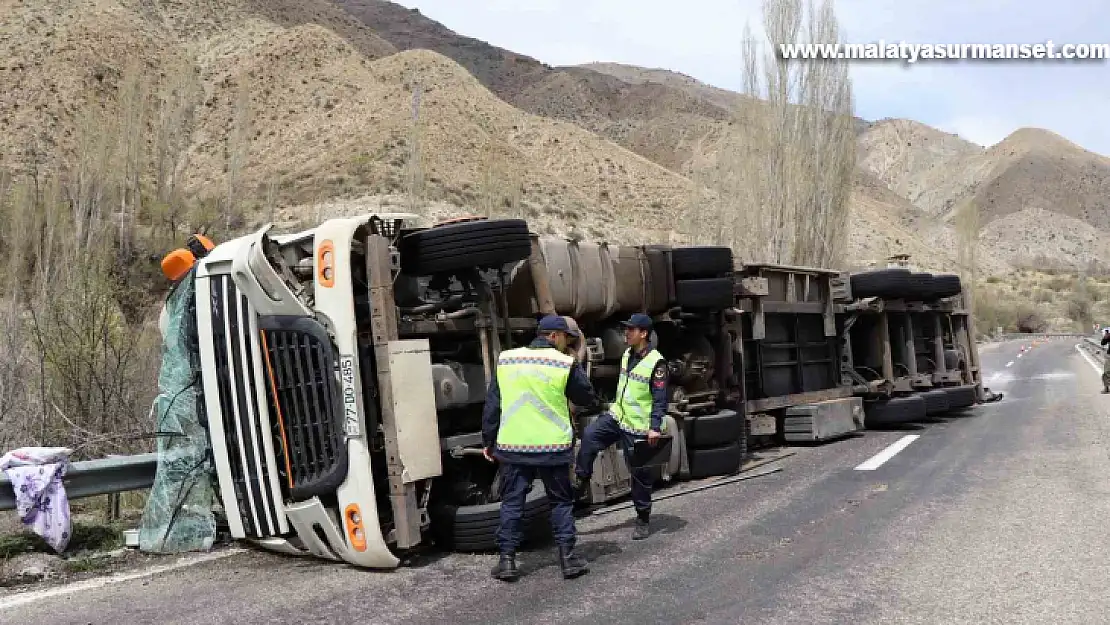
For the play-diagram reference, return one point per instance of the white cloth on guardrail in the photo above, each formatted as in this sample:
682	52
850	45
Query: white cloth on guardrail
36	475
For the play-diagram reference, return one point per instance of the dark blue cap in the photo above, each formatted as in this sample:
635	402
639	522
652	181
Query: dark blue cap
638	320
555	323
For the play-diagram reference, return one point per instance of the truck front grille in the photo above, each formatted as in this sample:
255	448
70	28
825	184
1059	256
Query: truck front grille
306	399
245	422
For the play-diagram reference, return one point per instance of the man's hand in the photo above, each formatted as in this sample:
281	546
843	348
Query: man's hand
487	454
653	437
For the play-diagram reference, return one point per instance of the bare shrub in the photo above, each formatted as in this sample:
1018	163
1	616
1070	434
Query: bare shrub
1029	320
967	251
414	160
1060	283
1079	305
79	351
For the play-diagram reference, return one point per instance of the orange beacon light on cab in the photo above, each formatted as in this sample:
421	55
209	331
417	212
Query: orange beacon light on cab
177	263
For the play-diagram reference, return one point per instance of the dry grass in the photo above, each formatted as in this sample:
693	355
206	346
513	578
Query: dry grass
1059	301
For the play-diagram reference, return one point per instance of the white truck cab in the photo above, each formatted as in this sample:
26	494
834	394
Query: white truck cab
291	443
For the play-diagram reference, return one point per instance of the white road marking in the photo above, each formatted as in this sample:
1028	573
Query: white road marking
1020	355
1010	364
24	598
878	459
1053	375
1094	365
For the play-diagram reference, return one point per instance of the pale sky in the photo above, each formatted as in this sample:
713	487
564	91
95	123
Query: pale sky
982	101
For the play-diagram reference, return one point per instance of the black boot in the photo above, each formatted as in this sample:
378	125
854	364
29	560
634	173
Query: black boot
581	490
642	530
572	564
506	570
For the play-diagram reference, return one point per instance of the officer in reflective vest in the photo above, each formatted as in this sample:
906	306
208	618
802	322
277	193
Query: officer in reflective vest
526	426
636	412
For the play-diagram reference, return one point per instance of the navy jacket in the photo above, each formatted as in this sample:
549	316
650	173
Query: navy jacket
579	390
659	377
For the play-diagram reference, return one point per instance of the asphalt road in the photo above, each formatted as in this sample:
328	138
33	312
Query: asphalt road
999	515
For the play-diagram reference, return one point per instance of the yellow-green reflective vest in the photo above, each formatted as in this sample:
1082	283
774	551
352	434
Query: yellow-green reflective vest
632	408
535	416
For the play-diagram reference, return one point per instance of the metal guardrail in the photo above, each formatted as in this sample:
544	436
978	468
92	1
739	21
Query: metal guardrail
90	478
1017	336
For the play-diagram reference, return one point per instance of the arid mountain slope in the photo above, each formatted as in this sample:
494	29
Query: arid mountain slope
633	74
723	98
1035	168
318	106
331	123
58	56
928	167
656	120
318	97
1031	176
659	114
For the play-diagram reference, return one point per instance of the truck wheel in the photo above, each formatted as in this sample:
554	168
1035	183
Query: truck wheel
723	460
474	528
953	359
936	401
455	246
701	262
960	397
895	411
887	283
947	285
921	287
658	278
712	293
723	428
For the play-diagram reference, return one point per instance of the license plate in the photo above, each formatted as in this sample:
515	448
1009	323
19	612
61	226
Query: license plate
351	421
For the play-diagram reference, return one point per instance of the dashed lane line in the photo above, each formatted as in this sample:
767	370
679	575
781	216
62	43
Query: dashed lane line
880	458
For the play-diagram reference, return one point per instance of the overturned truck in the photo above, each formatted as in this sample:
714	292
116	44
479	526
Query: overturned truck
344	369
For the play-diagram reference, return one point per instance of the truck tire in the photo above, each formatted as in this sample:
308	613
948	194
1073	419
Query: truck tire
953	359
921	287
936	401
894	411
960	397
891	283
712	293
658	278
722	460
701	262
724	428
455	246
947	285
474	528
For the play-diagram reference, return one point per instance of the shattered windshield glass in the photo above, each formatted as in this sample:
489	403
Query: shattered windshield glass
178	515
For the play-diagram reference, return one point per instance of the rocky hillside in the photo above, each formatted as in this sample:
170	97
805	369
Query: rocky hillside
325	106
658	120
318	97
1039	196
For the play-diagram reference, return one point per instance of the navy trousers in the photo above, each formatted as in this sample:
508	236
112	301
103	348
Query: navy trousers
515	480
602	433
